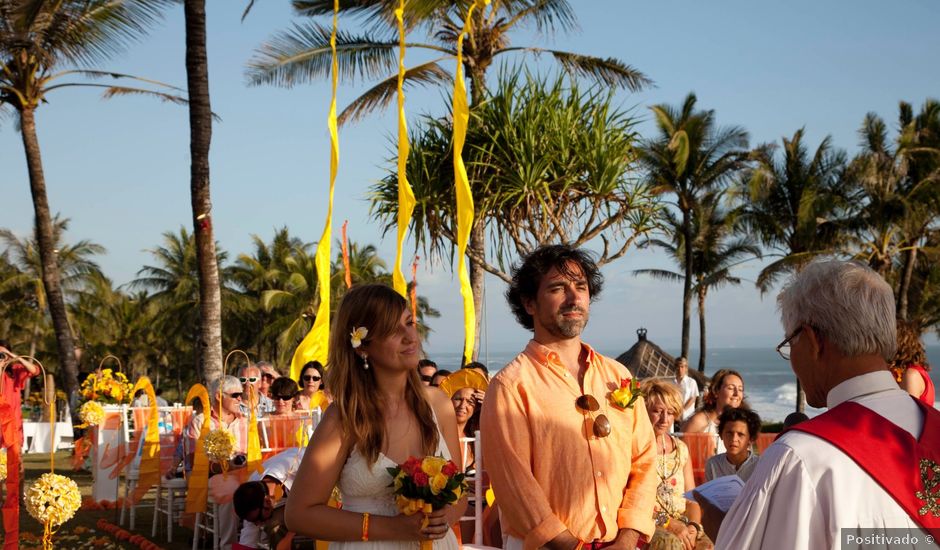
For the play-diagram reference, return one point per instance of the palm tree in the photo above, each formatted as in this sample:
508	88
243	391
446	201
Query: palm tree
690	156
176	292
200	136
76	271
794	204
715	252
897	188
302	54
38	41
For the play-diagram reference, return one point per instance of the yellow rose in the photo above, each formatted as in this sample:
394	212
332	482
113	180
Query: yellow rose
398	480
438	482
432	465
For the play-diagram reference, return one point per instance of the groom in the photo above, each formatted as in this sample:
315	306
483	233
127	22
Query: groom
571	466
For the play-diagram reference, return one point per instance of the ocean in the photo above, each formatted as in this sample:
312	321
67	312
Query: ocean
769	384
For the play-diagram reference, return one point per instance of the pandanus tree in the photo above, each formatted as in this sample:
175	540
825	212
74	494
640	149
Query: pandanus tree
549	163
716	251
302	54
690	156
47	46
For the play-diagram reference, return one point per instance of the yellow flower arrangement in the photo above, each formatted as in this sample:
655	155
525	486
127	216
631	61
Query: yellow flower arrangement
53	499
91	413
107	386
626	395
220	445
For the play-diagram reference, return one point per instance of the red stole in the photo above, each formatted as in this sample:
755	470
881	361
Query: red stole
906	468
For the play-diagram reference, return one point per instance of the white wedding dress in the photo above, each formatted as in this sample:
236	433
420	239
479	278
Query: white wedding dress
369	490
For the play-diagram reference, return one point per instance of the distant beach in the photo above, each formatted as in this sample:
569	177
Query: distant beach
770	385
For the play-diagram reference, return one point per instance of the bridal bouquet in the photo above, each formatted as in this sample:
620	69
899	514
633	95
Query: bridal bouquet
425	485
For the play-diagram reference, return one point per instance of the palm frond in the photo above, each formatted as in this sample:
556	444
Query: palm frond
609	71
660	275
380	95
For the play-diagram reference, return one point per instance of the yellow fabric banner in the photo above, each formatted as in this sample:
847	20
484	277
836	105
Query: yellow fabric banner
150	457
406	197
462	187
197	487
315	345
253	454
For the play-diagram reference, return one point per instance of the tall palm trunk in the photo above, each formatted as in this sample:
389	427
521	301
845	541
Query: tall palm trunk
47	253
702	348
905	286
687	285
209	343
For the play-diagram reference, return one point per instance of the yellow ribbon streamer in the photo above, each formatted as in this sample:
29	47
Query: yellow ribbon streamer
315	345
406	197
197	487
254	440
462	187
150	457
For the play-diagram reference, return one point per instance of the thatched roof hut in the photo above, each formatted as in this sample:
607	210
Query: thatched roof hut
647	360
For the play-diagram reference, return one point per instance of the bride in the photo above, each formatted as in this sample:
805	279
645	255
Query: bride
381	415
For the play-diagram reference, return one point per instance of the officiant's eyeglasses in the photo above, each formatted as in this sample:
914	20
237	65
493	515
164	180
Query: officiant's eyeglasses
600	425
784	347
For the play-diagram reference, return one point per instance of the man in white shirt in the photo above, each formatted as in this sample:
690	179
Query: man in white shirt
688	387
814	487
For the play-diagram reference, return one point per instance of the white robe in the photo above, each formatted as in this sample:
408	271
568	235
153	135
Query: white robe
804	490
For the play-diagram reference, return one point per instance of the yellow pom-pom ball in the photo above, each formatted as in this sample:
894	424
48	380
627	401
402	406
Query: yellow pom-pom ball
53	499
220	445
91	413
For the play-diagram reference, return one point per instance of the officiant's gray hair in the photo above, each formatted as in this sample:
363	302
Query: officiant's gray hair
847	302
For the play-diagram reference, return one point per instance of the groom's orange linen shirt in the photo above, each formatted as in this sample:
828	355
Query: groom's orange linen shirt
547	474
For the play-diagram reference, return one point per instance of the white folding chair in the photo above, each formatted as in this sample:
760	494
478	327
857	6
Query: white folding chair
207	521
171	493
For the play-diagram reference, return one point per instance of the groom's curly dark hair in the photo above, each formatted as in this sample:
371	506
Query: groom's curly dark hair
527	276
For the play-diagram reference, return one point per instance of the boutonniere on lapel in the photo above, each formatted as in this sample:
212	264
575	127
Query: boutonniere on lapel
626	395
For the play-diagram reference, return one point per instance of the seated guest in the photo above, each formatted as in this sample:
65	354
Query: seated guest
739	429
725	390
439	376
464	388
910	364
250	378
255	501
268	375
427	369
225	397
312	391
677	519
283	393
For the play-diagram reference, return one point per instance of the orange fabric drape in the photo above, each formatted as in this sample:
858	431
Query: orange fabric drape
150	457
197	487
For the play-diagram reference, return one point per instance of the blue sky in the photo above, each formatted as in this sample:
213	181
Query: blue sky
120	168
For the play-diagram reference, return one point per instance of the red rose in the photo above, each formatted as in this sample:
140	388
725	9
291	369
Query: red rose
449	469
624	382
411	466
421	479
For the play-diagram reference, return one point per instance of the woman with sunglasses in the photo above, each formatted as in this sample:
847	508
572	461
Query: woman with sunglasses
312	394
284	393
381	415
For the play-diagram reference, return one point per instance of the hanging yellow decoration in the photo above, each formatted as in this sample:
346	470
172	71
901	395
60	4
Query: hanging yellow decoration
220	445
197	487
150	456
3	464
406	197
253	454
52	500
462	187
315	345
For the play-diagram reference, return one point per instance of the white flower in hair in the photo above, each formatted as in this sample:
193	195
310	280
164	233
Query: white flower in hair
358	335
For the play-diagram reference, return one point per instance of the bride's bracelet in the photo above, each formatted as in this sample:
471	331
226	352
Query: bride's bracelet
365	527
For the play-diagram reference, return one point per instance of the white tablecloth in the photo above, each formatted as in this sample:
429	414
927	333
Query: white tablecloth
36	436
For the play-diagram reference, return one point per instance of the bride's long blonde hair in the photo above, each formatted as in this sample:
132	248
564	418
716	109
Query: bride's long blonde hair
356	395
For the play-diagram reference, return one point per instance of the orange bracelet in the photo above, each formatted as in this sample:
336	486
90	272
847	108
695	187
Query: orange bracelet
365	527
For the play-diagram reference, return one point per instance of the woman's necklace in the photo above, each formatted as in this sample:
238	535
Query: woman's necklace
666	488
